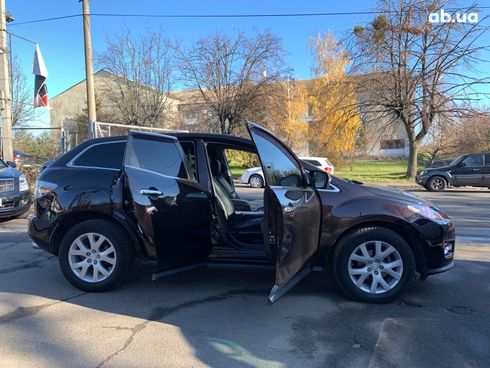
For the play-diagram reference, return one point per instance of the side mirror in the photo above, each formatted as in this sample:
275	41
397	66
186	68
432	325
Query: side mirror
318	179
12	164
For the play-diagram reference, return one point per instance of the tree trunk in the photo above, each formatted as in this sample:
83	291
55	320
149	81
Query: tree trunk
412	159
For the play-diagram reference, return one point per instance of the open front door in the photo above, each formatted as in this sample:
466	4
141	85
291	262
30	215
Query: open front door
170	208
292	209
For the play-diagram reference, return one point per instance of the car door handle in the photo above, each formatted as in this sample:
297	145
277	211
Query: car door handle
289	210
151	192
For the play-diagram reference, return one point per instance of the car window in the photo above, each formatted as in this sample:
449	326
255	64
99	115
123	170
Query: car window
190	154
473	160
487	159
280	168
158	156
104	155
313	162
2	164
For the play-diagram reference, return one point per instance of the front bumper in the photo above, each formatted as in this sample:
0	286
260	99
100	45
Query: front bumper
439	244
14	204
421	180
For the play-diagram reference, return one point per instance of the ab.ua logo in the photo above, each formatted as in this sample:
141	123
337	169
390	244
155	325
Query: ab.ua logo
443	17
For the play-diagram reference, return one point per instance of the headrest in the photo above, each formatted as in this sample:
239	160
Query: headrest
215	167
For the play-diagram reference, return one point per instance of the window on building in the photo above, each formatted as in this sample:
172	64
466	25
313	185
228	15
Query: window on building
388	144
189	115
104	155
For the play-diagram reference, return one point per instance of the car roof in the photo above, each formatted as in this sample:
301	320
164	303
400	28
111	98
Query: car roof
210	137
179	135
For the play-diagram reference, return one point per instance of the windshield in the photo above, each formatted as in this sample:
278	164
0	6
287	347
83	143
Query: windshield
456	160
2	164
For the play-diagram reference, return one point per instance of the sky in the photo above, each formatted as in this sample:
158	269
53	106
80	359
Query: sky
61	41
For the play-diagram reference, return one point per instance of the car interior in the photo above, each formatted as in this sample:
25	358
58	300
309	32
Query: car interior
242	218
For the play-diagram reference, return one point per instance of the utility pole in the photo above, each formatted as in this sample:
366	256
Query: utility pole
5	95
89	70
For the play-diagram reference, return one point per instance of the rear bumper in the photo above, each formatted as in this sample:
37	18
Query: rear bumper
14	204
40	232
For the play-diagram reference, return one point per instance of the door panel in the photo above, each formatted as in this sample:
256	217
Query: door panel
172	211
486	170
470	172
293	210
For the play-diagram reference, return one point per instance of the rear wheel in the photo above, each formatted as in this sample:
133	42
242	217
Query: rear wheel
436	184
374	265
256	181
94	255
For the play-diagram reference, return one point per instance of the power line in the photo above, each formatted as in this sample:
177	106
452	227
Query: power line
22	38
45	20
211	16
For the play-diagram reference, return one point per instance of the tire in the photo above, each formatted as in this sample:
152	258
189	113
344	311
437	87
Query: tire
256	181
436	184
116	261
350	246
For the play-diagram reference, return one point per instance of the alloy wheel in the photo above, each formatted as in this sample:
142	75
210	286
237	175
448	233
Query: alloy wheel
437	184
375	267
92	257
256	181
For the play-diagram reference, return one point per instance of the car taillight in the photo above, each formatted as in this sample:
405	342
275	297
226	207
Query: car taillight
327	169
43	188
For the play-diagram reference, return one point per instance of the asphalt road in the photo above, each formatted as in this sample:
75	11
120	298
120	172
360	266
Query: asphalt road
219	318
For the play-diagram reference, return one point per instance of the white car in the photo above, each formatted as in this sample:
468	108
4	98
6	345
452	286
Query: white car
255	177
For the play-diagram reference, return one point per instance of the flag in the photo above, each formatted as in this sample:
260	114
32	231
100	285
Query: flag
41	73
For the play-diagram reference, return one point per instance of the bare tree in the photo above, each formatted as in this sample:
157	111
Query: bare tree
141	75
22	96
416	71
473	134
233	74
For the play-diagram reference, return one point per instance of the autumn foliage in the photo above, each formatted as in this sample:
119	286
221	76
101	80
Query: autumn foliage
337	123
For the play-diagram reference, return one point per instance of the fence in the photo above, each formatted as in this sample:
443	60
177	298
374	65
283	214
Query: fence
102	129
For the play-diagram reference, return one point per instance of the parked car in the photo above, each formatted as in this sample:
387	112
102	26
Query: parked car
170	200
23	159
321	163
254	176
15	197
471	169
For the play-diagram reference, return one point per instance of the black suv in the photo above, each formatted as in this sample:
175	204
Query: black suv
171	200
472	169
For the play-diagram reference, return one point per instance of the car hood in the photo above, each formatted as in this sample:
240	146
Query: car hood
9	172
400	195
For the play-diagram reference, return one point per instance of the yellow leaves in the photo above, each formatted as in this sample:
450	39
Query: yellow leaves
337	122
295	129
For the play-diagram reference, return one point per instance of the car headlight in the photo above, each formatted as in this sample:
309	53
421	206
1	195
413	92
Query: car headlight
428	212
23	184
423	172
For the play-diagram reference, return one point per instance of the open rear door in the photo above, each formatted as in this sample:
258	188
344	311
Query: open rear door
171	209
292	209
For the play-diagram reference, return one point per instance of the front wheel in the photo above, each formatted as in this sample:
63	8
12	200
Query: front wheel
256	181
374	265
95	255
436	184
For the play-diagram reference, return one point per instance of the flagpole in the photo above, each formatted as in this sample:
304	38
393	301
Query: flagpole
89	71
5	95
